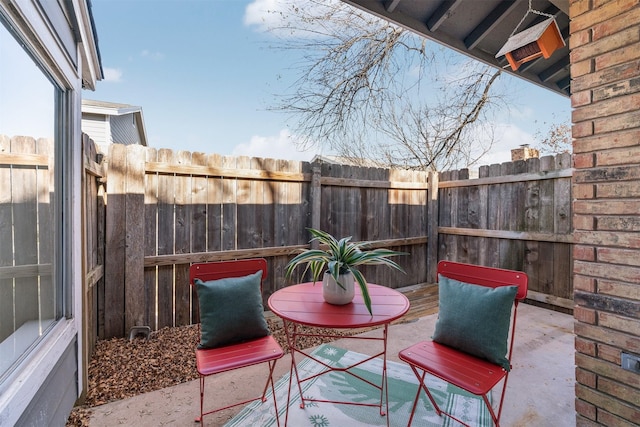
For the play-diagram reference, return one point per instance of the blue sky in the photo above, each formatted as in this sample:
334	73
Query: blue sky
205	76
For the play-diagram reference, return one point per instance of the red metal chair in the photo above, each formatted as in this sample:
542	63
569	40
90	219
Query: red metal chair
471	373
211	361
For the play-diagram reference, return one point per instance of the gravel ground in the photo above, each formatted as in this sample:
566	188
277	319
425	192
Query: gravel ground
120	369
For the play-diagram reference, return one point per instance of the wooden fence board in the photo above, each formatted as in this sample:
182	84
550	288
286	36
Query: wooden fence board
268	215
135	295
255	207
306	200
330	200
283	231
546	215
246	213
100	241
563	268
198	218
214	206
166	226
532	223
115	243
150	238
352	222
562	205
417	226
492	246
263	201
297	218
182	242
229	207
338	200
432	227
398	207
462	220
519	197
386	225
199	232
451	217
507	249
373	225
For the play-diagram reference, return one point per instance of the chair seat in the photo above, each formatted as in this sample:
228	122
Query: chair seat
215	360
475	375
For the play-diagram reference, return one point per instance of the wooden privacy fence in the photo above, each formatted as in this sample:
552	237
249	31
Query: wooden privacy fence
166	209
163	210
516	215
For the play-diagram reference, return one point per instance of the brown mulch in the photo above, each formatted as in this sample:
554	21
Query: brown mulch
120	368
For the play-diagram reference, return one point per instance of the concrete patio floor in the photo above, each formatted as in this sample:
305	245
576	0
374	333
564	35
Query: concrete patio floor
540	391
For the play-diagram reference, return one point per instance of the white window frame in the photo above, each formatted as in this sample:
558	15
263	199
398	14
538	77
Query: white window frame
34	27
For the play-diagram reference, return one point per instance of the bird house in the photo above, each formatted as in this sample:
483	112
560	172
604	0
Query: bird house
541	40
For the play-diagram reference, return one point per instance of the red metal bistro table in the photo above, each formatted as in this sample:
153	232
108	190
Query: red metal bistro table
303	304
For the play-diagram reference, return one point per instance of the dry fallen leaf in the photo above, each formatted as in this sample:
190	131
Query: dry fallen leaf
120	368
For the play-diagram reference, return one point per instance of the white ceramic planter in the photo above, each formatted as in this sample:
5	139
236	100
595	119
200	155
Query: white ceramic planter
333	293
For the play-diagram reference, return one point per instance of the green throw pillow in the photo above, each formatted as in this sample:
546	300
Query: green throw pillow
231	310
475	319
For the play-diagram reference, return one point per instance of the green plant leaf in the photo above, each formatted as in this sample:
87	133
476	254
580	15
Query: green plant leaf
339	256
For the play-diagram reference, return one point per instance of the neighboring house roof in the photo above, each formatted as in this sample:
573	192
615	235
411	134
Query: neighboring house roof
113	109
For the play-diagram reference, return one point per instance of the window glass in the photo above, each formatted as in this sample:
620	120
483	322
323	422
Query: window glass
29	297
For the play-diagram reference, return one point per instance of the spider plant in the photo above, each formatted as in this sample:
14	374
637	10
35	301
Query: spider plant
339	257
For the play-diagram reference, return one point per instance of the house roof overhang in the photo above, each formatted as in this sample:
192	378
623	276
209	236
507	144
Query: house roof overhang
479	29
87	36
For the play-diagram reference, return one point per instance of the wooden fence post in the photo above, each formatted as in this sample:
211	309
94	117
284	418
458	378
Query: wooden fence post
115	243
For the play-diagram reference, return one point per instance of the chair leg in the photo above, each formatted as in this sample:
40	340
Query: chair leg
199	419
495	419
415	405
440	412
272	366
263	397
504	389
422	386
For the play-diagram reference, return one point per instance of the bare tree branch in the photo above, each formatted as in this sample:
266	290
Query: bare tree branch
373	90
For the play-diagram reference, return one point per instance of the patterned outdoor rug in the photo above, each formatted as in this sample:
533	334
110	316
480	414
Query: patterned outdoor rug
341	386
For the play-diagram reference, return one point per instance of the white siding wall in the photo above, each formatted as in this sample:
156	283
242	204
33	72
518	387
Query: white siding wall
124	130
97	127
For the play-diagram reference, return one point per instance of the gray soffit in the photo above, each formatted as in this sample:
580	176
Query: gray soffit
480	28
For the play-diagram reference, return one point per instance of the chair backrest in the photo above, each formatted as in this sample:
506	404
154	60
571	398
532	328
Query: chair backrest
222	269
491	277
485	276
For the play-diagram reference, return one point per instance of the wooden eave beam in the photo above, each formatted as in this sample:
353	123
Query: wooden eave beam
391	5
442	13
550	72
489	23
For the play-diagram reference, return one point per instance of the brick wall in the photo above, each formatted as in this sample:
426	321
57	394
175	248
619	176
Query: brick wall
605	70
